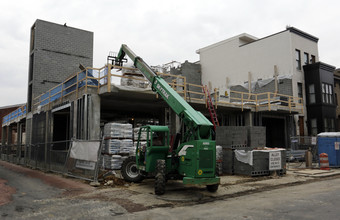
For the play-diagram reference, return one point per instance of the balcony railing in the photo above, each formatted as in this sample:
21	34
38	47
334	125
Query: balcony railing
99	80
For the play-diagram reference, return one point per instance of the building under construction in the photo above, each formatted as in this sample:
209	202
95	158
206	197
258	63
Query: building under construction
69	99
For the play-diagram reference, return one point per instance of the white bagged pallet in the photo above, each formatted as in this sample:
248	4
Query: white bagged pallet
117	130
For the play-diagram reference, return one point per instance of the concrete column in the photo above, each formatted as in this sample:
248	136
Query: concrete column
93	117
9	139
175	124
162	118
28	140
87	100
47	139
74	112
248	118
4	136
18	153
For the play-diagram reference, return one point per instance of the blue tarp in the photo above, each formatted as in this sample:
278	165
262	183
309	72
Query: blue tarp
70	86
55	93
15	114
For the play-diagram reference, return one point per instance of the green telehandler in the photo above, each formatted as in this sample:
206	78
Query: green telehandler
192	157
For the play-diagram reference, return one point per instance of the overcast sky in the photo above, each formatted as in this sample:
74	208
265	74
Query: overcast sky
159	31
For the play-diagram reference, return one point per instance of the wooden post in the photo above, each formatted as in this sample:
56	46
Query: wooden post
49	99
108	78
249	84
185	88
275	77
62	92
77	86
256	104
268	95
205	88
86	81
215	97
242	101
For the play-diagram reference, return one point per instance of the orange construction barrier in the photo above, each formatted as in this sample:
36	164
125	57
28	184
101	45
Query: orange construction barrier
324	163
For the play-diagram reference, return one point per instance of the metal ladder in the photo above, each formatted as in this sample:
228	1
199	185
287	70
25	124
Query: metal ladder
211	108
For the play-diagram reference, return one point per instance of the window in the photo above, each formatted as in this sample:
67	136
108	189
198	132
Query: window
298	59
329	125
311	91
312	60
330	89
314	128
332	124
305	58
300	95
327	93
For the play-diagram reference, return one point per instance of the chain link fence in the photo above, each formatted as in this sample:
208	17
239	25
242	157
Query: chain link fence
299	146
57	157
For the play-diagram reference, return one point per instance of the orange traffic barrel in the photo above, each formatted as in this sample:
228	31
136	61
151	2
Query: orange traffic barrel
324	163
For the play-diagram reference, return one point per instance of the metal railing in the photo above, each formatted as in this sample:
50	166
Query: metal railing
81	80
53	156
263	101
15	115
99	78
297	151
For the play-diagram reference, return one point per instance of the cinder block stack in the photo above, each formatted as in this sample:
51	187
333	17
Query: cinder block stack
260	165
246	138
256	136
231	136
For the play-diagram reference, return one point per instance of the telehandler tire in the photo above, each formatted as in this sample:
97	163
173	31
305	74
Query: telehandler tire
160	178
130	171
212	188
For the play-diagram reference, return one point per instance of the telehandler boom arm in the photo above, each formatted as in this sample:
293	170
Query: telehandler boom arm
198	126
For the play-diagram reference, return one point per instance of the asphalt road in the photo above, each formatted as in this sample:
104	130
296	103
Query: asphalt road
317	200
28	194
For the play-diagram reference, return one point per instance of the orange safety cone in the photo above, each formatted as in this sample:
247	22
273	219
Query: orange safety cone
324	163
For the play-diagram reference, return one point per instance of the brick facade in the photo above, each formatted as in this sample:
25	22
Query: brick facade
5	111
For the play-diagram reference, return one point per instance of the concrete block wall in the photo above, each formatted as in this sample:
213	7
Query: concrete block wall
260	165
52	68
285	87
228	161
63	39
256	136
192	72
241	136
232	136
56	52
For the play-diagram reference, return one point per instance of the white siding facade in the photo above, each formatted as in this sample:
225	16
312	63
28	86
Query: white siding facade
232	61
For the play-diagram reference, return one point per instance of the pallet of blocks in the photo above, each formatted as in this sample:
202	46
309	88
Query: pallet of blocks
118	143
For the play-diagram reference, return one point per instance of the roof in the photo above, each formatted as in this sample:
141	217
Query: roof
12	106
244	37
302	34
248	39
320	65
